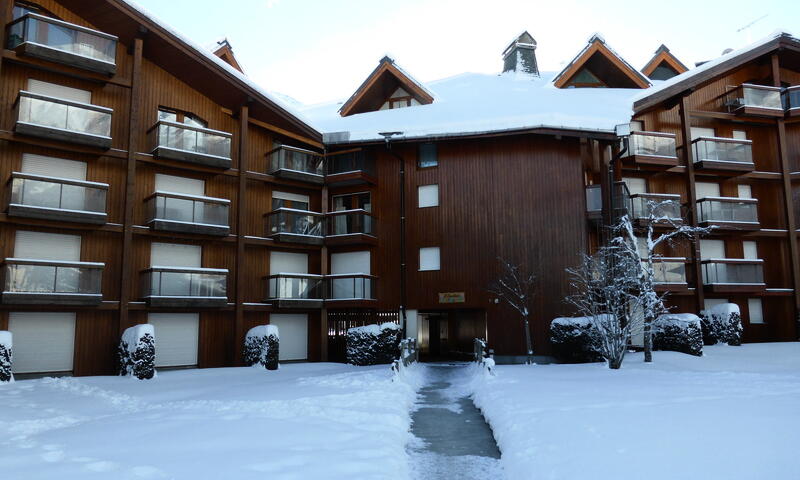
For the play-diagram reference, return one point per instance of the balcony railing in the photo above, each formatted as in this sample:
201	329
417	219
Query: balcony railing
349	223
351	286
185	287
58	41
188	213
50	198
723	153
791	100
760	100
187	143
669	271
652	148
295	226
52	282
659	205
295	290
731	213
350	167
726	275
55	118
297	164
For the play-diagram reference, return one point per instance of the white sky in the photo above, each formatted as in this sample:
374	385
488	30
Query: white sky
317	50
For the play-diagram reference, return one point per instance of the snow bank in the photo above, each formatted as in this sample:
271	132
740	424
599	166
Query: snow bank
574	340
5	357
678	332
587	422
722	324
261	346
373	344
137	352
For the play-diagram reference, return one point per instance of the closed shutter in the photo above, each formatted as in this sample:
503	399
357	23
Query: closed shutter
43	341
744	191
284	262
635	185
706	189
350	262
702	132
53	167
187	186
428	196
47	246
59	91
176	255
712	249
750	249
294	197
177	335
293	332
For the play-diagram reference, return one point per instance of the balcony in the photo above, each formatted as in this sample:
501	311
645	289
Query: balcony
651	148
58	119
791	101
714	154
594	202
52	282
185	287
295	290
733	275
728	213
50	198
664	208
351	167
297	164
755	100
175	212
187	143
669	273
351	289
61	42
350	227
288	225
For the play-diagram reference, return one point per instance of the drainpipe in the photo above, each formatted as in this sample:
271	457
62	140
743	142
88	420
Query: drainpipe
388	144
622	131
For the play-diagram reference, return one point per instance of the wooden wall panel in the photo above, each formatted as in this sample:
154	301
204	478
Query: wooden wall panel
96	343
216	340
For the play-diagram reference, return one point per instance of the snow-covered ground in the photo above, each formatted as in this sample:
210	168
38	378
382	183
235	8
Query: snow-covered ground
303	421
732	414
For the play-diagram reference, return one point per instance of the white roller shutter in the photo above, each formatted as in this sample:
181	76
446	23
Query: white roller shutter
428	196
702	132
177	335
294	197
706	189
285	262
187	186
712	249
635	185
350	262
53	167
429	258
176	255
59	91
750	249
43	341
47	246
744	191
293	332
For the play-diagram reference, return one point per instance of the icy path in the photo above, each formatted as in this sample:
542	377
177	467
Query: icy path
451	437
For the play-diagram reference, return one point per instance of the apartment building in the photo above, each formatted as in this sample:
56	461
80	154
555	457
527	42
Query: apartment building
148	180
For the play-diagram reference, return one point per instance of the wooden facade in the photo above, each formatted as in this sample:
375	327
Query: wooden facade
519	196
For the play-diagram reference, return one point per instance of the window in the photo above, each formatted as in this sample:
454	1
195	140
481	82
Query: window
756	312
429	258
740	134
706	189
178	116
712	249
744	191
427	155
750	250
289	200
352	201
635	185
428	196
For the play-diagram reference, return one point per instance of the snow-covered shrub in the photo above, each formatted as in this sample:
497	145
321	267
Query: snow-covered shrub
137	352
373	344
722	324
5	357
261	346
678	332
574	340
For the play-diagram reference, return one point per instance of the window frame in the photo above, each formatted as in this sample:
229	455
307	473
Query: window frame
438	255
419	155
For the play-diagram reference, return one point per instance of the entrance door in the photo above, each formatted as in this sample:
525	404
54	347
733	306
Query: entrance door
449	335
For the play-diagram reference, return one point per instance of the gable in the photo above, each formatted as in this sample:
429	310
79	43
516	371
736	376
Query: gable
664	65
599	66
385	84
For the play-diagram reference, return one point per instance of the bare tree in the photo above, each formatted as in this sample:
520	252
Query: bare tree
515	286
664	215
605	290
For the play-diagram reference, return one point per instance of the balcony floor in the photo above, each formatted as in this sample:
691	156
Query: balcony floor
43	298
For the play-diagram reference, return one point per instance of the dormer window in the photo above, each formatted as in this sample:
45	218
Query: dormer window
388	87
399	99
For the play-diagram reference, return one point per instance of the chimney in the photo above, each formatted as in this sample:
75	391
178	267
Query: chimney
520	56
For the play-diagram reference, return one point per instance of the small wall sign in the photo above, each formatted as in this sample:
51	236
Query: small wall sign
452	297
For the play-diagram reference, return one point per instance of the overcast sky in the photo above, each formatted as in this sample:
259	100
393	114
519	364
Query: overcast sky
321	50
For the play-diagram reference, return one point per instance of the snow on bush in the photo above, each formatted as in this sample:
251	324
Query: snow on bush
261	346
722	324
678	332
574	340
373	344
137	352
5	357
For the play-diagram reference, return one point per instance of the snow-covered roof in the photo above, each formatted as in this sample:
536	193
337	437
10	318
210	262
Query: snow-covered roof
597	38
475	103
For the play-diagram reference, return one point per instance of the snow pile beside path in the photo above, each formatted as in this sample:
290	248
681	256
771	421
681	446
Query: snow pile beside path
315	420
586	421
5	357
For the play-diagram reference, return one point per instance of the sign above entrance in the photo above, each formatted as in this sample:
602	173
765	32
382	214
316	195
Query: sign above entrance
452	297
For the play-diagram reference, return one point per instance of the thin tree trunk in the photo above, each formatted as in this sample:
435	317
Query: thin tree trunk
648	341
528	346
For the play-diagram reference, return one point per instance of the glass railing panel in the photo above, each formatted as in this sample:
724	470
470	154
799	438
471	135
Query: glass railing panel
350	287
177	282
289	158
351	222
661	206
297	222
733	272
762	97
64	115
62	36
723	150
594	198
669	272
729	210
36	191
32	276
652	144
192	139
791	98
300	287
179	208
349	162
